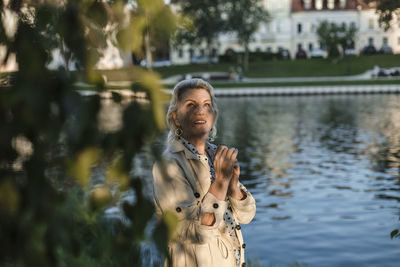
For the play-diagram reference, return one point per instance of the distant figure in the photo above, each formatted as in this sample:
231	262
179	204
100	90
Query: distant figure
198	182
375	71
232	73
239	74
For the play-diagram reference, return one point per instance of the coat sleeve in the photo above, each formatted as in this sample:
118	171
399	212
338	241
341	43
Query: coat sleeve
243	210
172	192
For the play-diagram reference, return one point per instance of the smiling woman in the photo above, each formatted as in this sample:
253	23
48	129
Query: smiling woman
199	183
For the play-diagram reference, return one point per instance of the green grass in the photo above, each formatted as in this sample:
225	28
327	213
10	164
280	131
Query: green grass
293	68
236	85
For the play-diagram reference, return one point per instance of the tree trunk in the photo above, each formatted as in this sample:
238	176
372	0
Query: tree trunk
209	52
147	47
246	57
66	56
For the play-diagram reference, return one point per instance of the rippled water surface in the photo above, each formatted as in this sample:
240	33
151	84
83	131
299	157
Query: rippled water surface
325	174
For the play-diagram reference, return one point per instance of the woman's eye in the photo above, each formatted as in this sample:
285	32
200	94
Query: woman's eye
208	105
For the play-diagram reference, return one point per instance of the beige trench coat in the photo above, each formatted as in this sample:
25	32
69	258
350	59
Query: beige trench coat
181	183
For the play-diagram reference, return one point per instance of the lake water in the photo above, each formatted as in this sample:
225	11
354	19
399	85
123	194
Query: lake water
324	171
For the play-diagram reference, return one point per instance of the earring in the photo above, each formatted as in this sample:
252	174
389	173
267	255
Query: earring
178	132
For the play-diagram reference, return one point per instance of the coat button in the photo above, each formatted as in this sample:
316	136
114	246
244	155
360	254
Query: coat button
197	195
243	264
215	206
244	245
178	209
238	227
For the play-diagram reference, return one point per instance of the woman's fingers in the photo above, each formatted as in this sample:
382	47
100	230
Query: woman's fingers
221	152
225	159
231	155
234	154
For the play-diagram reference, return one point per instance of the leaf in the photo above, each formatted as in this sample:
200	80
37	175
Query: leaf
9	197
98	14
394	233
151	82
131	37
100	197
116	172
171	221
79	167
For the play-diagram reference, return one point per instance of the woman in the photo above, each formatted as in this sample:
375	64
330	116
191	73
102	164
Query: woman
199	183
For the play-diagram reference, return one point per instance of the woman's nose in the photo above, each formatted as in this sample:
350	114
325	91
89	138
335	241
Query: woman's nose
200	110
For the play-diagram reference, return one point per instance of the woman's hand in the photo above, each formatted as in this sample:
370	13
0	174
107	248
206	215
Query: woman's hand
223	166
224	161
233	184
233	188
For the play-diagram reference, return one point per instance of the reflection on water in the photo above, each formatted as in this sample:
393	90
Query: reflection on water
325	174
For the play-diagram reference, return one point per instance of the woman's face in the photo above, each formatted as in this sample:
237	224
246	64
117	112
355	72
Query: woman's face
195	114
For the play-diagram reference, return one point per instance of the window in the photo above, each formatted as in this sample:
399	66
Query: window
299	47
312	27
278	26
269	49
258	49
202	53
307	4
267	27
318	4
398	41
213	52
191	53
385	40
310	47
342	3
371	24
299	28
352	24
370	41
180	53
331	4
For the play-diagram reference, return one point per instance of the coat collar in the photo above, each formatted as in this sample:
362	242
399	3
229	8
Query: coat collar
176	146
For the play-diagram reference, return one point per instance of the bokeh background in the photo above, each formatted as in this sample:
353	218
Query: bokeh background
83	91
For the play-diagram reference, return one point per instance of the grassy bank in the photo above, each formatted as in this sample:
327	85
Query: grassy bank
237	85
293	68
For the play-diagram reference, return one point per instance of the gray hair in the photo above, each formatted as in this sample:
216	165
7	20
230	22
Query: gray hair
177	93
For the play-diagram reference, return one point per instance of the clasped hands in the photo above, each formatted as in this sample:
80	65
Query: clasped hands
227	169
226	182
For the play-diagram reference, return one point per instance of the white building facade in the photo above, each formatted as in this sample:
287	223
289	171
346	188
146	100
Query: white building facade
293	24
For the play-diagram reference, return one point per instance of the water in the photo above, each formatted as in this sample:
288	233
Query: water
325	174
324	171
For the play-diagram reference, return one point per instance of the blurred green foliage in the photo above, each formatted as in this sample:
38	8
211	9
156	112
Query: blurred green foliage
388	11
336	37
50	137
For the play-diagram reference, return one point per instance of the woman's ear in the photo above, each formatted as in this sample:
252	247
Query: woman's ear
177	124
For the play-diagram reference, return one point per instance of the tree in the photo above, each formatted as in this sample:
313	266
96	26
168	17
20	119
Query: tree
50	142
386	10
206	21
336	37
245	17
159	24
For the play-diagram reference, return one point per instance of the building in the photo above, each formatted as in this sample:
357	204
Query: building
293	25
307	14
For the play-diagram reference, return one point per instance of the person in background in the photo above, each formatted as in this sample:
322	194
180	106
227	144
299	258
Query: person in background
199	183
